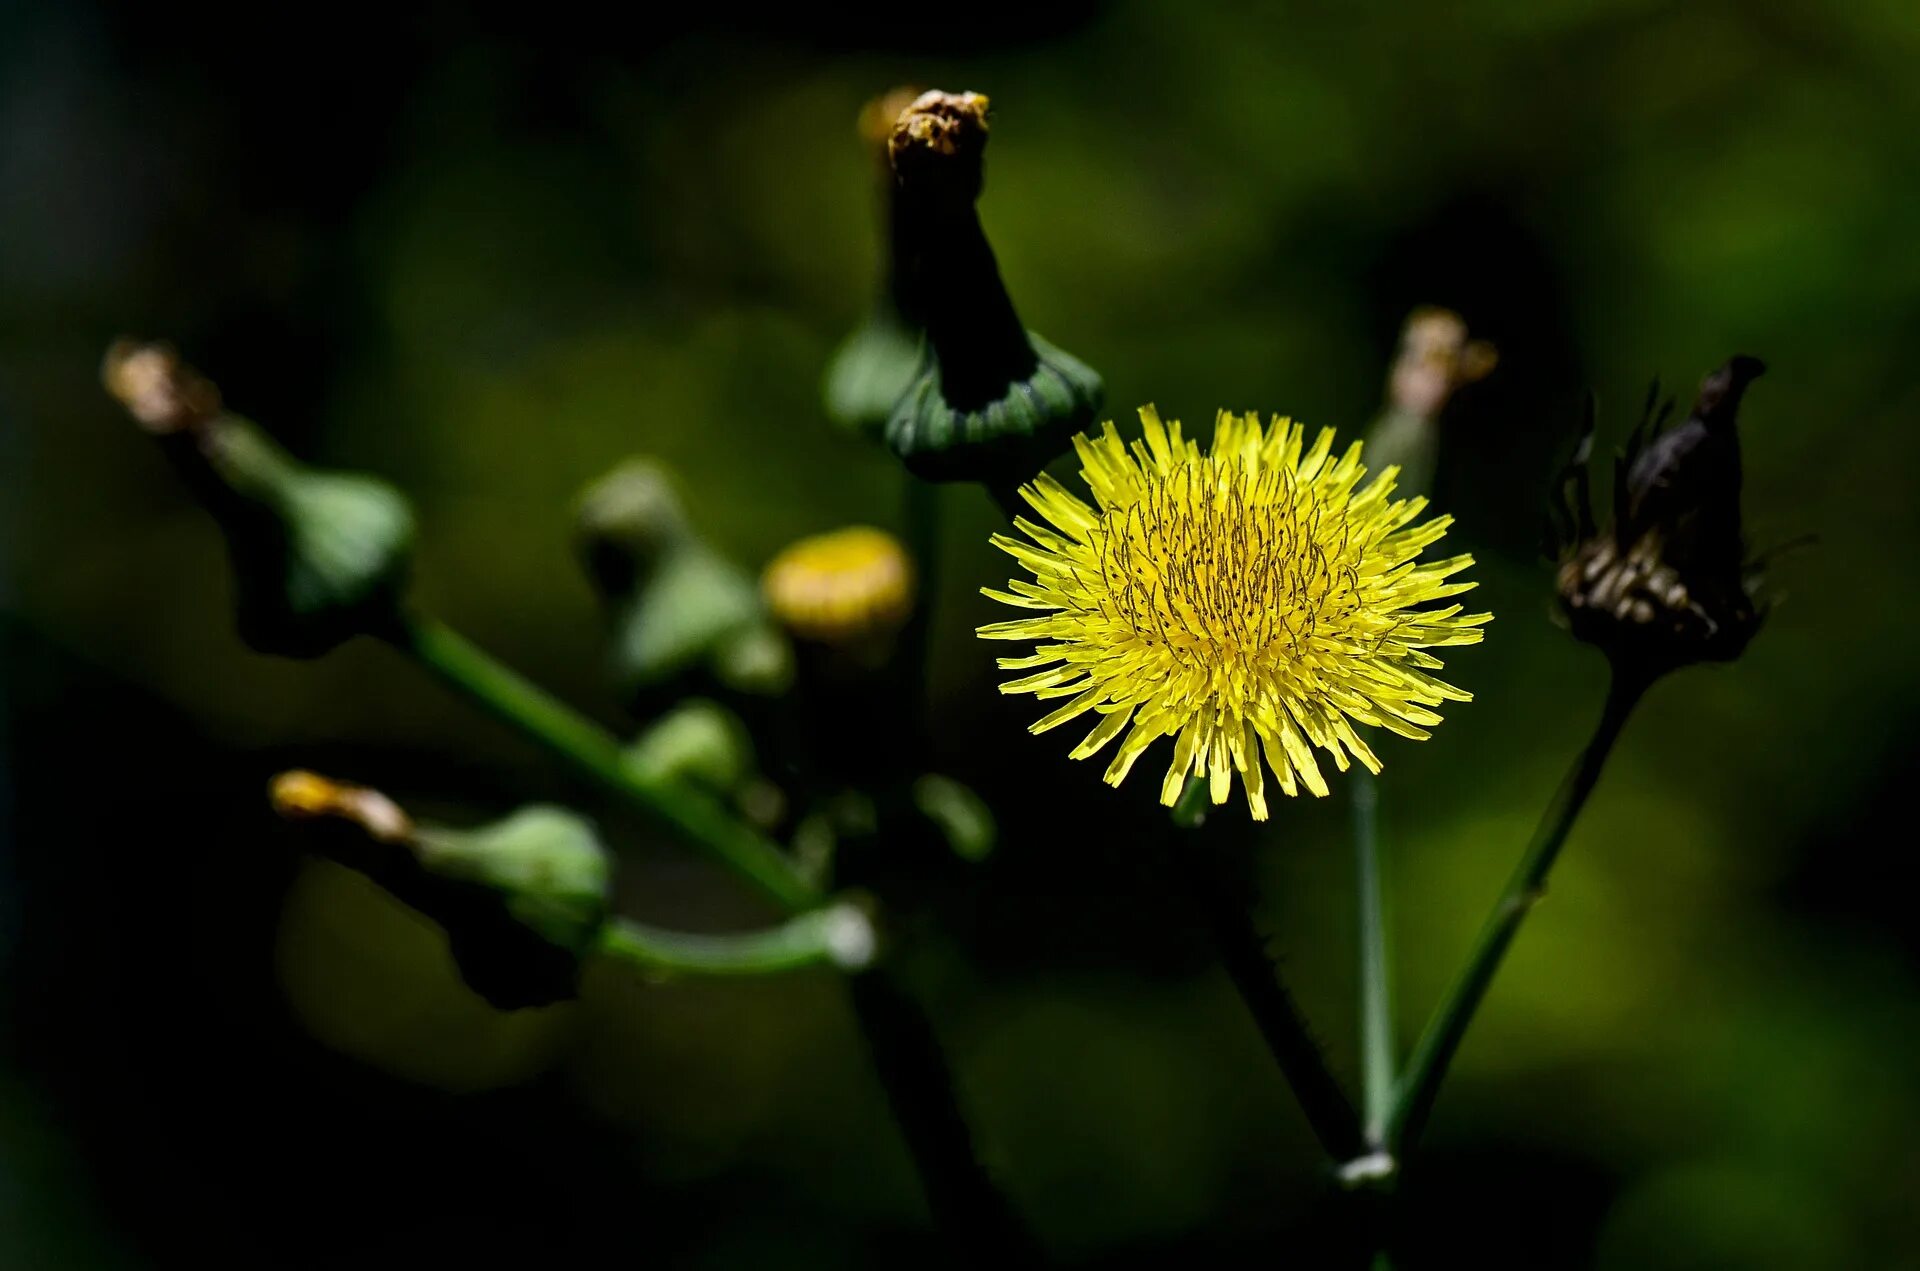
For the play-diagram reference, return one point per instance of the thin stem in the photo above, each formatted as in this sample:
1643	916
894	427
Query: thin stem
1375	971
906	1054
1243	955
835	936
1440	1041
921	1092
592	751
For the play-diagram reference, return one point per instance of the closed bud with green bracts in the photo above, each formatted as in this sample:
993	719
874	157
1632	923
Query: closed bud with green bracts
523	901
677	605
699	742
876	362
318	557
960	816
1669	582
991	402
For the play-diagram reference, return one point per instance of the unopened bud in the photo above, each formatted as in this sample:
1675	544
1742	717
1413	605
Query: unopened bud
851	588
991	401
318	557
522	900
677	605
1434	359
699	742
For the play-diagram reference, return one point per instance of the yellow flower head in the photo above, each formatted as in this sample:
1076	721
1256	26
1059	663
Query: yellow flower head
1246	601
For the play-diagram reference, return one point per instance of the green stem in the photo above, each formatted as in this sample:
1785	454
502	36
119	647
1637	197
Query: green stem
594	752
1375	971
1243	955
834	936
1441	1040
906	1054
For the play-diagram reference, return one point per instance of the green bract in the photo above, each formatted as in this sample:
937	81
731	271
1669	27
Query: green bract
699	742
871	370
677	605
945	435
318	557
545	864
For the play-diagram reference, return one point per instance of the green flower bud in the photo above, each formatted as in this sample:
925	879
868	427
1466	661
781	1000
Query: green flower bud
699	742
961	816
318	557
991	402
523	901
677	605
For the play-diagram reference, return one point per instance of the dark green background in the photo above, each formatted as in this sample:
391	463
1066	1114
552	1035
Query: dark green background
489	252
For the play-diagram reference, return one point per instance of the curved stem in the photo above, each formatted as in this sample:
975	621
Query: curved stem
592	751
834	936
921	1092
1243	955
1375	970
1441	1040
914	1073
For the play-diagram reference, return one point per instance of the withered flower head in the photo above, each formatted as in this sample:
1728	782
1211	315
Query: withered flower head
1669	582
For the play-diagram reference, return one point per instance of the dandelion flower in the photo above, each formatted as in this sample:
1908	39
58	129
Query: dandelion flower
1249	601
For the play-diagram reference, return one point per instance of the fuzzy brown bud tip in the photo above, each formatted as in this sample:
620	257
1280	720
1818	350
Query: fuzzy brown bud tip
162	393
939	130
878	116
308	796
1435	358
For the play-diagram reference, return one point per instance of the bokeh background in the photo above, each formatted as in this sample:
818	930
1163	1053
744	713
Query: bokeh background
488	252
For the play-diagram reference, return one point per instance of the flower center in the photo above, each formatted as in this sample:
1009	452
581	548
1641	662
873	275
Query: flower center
1217	564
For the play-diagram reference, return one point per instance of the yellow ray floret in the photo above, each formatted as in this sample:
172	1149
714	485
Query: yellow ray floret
1251	601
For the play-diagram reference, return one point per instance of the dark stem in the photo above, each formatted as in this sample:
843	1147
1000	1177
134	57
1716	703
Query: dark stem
923	544
1441	1040
920	1088
1243	954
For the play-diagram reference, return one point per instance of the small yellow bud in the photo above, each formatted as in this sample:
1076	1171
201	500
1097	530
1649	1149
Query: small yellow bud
850	586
